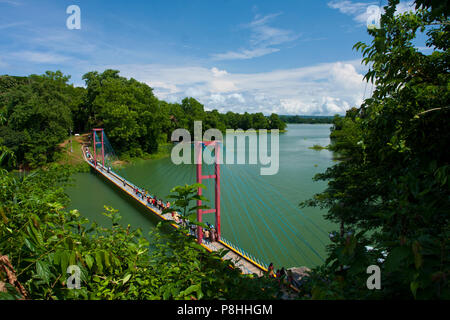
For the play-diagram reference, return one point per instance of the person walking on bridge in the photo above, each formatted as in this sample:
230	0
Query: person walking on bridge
193	228
177	217
213	235
206	234
270	270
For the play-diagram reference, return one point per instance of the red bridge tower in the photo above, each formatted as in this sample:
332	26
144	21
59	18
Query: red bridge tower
199	152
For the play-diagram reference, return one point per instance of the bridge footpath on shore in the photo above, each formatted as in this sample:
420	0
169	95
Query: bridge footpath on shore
246	264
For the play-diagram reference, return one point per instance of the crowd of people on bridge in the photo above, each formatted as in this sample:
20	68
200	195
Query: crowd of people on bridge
151	200
209	234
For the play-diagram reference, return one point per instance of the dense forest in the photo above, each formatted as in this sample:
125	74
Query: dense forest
306	119
38	112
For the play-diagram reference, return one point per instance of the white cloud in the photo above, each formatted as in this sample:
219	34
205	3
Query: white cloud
218	73
359	9
322	89
265	35
403	7
263	38
11	25
196	91
39	57
345	75
348	7
238	97
217	98
244	54
222	86
11	2
167	87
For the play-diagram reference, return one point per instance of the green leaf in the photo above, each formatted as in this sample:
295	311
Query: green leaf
89	260
189	290
72	257
43	270
64	261
127	277
37	235
98	261
57	257
417	255
166	295
414	286
106	257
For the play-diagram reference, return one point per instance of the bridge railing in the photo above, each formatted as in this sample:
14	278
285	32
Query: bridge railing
244	253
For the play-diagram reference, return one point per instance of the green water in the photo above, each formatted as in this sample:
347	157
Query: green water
259	213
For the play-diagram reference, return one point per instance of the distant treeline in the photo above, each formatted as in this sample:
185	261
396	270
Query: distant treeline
37	113
306	119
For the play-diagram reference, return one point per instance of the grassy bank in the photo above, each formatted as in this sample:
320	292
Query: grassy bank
71	153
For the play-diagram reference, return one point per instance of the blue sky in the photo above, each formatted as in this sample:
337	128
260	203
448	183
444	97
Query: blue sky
289	57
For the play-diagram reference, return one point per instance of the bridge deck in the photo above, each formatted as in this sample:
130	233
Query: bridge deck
245	264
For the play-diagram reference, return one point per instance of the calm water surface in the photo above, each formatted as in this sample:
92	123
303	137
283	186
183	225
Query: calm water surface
259	213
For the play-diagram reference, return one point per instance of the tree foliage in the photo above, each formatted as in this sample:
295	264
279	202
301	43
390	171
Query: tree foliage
306	119
390	190
37	116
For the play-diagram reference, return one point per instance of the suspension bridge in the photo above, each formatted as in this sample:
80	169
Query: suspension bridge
242	260
100	155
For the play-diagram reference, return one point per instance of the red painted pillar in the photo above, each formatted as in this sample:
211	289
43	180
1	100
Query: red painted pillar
198	156
198	150
217	194
103	152
95	153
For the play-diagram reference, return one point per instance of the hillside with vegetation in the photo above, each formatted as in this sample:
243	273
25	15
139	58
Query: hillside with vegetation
390	191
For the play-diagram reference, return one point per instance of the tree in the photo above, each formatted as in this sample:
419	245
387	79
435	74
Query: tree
126	109
38	117
245	122
391	189
260	121
276	123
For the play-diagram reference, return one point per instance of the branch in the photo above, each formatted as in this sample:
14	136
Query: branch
429	110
